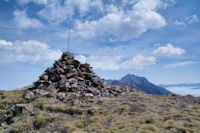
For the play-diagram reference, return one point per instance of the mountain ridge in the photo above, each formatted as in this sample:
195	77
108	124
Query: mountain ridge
134	81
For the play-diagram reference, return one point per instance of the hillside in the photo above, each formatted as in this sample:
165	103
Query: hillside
70	97
140	82
68	112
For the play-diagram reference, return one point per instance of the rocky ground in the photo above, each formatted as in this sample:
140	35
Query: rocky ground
67	112
70	97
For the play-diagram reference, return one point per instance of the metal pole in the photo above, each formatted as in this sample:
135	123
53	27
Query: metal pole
68	39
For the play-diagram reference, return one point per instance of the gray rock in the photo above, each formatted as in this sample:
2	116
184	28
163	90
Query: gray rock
89	95
50	87
73	80
40	86
29	95
62	82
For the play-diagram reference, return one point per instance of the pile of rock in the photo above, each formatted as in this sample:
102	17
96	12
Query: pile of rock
69	75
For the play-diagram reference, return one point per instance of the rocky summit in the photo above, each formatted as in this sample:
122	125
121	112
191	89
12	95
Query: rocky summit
70	98
69	75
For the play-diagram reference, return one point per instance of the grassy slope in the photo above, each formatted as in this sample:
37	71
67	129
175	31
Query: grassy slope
133	112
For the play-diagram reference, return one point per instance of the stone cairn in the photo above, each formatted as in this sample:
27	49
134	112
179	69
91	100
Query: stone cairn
69	75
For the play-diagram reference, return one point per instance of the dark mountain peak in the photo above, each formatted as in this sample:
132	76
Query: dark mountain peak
134	78
128	76
134	81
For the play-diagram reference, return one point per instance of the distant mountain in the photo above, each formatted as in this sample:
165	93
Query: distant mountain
140	82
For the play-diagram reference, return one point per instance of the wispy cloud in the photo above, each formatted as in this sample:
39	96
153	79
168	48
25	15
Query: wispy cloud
23	21
27	51
187	20
117	62
179	64
192	19
56	13
5	43
179	23
169	50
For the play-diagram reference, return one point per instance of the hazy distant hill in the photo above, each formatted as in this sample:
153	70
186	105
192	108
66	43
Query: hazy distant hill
140	82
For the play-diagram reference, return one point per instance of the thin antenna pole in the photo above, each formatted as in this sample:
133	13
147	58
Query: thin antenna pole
68	39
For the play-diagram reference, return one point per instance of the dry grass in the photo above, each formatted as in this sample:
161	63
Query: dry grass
127	114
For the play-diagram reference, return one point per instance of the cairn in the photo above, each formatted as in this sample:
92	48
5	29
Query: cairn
69	75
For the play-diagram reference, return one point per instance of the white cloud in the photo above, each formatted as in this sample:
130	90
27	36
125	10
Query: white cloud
27	51
5	43
124	24
139	62
184	90
169	50
179	23
104	62
23	21
192	19
81	58
187	20
56	13
179	64
84	6
117	62
116	20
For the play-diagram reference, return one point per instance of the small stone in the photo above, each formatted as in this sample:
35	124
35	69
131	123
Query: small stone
72	80
67	85
89	75
69	54
83	69
89	95
62	76
80	78
46	77
69	75
62	82
50	87
74	71
76	63
50	70
61	96
95	92
40	86
74	85
116	88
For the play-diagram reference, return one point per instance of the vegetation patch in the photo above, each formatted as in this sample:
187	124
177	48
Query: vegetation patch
43	121
62	109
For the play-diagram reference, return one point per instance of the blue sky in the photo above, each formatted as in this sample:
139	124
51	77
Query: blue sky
157	39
